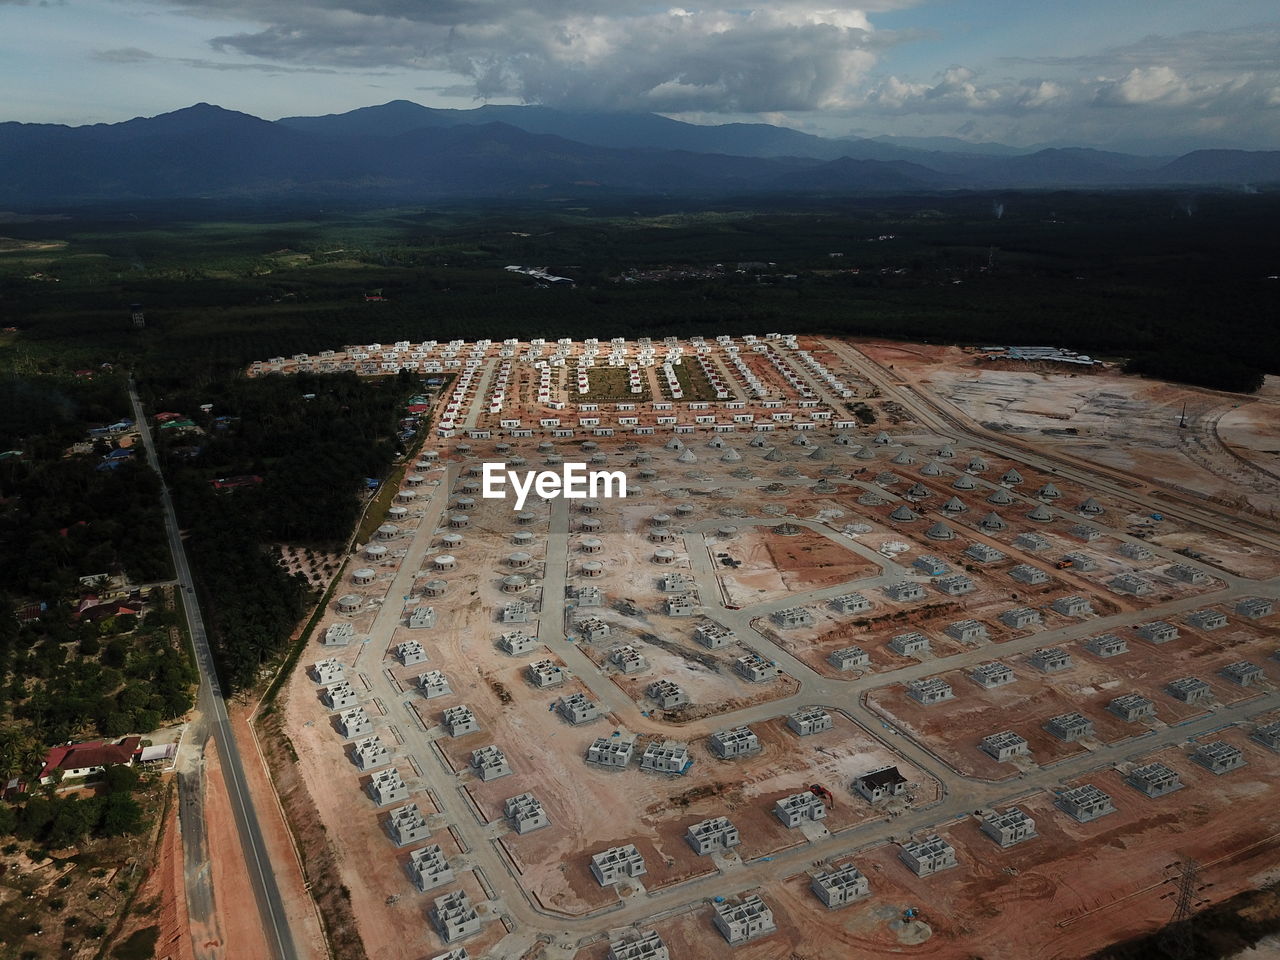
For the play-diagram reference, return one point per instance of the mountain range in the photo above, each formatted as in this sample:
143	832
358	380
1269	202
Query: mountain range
404	151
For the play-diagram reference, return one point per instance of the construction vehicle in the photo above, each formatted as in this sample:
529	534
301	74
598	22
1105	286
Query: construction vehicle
1064	563
822	793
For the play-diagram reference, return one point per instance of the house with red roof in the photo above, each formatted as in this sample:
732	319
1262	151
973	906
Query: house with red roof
115	608
78	760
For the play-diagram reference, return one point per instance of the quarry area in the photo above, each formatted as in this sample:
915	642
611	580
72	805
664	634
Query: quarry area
889	650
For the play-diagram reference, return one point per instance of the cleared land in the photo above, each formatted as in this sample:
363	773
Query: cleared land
777	598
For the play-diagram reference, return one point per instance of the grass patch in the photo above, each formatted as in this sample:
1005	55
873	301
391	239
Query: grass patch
375	513
611	384
694	384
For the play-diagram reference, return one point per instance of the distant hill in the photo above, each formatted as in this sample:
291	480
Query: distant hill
206	151
1218	166
621	130
950	145
847	175
401	150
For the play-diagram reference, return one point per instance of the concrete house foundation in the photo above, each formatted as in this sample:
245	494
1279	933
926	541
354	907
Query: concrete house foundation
1004	746
1219	757
1153	779
708	836
841	887
928	856
617	863
745	920
1009	827
1085	803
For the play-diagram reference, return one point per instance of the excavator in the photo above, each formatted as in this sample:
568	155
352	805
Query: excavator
822	793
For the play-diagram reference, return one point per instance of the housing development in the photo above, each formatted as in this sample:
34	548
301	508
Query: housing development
841	670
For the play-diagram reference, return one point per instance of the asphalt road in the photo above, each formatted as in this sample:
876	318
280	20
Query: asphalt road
213	720
960	795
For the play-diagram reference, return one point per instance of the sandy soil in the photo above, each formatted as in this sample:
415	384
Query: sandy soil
1228	451
162	898
305	926
240	935
954	728
774	566
1085	884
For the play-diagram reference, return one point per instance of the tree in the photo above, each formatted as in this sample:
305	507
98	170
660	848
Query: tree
116	723
120	815
72	821
120	779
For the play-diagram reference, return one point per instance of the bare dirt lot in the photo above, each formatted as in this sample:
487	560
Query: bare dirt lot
1076	880
773	565
1227	452
655	560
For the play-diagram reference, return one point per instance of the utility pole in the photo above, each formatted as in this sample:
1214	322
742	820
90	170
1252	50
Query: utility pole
1182	421
1179	942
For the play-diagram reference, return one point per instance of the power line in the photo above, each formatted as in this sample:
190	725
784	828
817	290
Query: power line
1179	941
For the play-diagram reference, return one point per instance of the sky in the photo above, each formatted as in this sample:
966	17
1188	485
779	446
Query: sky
1142	75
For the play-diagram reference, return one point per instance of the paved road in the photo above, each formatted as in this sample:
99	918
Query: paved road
213	720
959	795
952	424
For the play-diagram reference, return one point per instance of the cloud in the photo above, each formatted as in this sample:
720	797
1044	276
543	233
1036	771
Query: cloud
134	55
123	55
826	65
623	55
1220	51
960	89
1149	85
1220	85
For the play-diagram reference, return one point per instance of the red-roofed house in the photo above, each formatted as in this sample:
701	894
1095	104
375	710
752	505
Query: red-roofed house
85	759
115	608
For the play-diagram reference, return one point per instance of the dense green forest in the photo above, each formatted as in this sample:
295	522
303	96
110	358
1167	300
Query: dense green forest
312	440
62	516
59	822
66	677
63	519
1178	283
43	414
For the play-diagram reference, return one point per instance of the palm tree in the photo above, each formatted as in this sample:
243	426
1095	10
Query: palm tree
19	755
10	754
